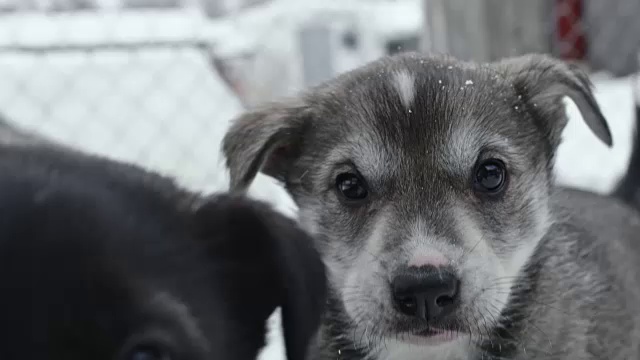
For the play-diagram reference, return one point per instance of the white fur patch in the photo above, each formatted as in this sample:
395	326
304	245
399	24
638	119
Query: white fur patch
485	272
361	278
405	84
470	233
306	219
543	221
461	149
424	246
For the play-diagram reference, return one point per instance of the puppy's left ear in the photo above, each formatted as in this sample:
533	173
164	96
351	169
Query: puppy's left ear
273	264
267	140
543	81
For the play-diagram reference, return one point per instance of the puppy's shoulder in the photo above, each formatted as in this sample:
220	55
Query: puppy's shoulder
596	236
601	215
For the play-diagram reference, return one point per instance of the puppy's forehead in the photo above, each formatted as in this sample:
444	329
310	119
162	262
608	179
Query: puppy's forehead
433	109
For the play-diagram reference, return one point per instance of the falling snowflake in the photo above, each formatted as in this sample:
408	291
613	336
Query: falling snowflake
468	82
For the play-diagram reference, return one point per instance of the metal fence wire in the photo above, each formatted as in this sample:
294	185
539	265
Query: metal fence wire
156	81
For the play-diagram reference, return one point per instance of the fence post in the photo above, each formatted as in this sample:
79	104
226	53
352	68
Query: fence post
486	30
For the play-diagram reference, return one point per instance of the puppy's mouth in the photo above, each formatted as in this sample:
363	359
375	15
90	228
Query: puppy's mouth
431	336
432	331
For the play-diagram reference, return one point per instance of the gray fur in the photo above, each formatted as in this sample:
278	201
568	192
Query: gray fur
546	273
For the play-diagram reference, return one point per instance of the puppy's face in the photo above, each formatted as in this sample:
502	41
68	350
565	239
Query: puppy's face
91	274
425	180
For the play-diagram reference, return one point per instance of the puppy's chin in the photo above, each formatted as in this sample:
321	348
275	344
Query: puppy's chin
454	347
437	339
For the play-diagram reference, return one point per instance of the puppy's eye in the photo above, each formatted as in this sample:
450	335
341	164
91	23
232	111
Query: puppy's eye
490	176
148	352
351	187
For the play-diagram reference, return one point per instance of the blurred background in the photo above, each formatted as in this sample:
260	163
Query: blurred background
156	82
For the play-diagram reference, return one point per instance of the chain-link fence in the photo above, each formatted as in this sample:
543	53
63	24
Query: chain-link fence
155	86
156	81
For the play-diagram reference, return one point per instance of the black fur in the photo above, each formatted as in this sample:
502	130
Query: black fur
98	258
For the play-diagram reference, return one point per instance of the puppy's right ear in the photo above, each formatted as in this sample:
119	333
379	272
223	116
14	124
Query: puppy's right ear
266	140
544	81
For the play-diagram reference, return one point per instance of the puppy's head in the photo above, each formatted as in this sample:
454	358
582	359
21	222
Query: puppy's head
87	274
426	182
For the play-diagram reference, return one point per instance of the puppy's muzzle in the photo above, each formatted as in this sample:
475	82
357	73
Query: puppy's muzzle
428	293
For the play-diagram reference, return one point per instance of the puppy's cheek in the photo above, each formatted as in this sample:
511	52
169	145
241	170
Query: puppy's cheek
539	217
524	234
351	294
515	262
363	292
337	271
483	278
530	216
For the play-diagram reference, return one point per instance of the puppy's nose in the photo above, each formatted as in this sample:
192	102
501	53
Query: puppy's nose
427	292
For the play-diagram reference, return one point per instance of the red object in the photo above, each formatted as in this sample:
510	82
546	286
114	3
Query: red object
570	37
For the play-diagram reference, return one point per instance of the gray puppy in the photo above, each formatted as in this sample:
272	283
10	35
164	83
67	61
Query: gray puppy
428	185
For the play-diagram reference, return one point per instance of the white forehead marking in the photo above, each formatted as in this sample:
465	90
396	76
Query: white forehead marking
406	87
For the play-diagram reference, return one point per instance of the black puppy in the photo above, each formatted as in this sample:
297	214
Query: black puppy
103	260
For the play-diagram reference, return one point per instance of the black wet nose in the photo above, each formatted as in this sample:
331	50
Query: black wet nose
428	293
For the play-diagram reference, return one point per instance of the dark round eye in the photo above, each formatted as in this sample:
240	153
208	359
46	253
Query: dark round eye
351	187
148	352
490	176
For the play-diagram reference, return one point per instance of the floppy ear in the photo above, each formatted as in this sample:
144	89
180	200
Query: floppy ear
544	81
274	265
266	140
